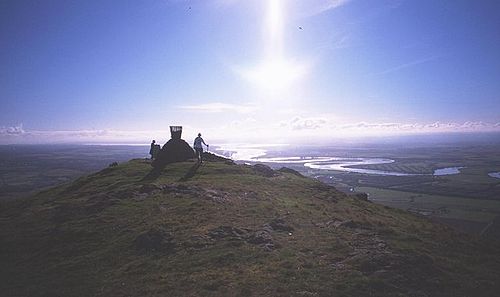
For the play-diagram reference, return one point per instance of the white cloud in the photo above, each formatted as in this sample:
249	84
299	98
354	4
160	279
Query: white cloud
310	123
331	4
469	126
18	135
408	65
475	125
218	107
12	130
319	6
244	123
365	125
248	130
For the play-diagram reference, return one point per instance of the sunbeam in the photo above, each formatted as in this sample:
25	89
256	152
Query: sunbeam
275	71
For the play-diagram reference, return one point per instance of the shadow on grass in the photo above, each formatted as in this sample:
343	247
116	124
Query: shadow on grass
153	174
191	172
156	172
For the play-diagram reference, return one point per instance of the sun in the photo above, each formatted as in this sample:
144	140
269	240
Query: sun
275	74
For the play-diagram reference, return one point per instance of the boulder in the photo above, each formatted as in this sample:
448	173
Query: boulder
175	150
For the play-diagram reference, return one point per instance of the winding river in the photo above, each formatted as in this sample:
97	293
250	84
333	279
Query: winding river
345	164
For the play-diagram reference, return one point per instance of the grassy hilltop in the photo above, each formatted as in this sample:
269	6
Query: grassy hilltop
229	230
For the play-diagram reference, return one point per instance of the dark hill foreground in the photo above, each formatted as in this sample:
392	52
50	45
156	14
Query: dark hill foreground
229	230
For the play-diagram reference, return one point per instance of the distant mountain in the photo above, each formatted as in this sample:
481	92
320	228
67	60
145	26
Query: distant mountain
223	229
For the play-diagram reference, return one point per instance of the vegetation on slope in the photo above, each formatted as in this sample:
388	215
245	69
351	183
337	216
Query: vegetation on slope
229	230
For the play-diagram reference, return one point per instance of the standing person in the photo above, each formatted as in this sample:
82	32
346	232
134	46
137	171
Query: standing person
152	150
156	151
198	147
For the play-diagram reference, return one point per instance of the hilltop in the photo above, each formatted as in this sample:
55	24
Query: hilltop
229	230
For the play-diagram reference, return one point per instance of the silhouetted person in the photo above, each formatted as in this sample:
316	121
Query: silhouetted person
198	147
152	150
156	151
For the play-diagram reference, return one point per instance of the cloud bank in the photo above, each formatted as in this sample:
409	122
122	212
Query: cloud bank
12	130
249	130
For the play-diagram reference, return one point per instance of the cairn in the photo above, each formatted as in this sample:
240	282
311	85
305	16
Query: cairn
175	150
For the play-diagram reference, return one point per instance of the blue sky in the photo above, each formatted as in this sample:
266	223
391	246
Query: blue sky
270	70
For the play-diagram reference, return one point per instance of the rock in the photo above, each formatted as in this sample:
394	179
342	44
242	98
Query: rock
351	224
228	232
291	171
264	170
249	195
182	189
280	225
335	223
175	150
216	158
199	241
149	188
216	196
209	194
361	196
261	237
155	240
306	293
338	266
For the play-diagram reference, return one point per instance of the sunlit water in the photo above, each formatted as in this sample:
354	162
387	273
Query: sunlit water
345	164
253	154
447	171
494	174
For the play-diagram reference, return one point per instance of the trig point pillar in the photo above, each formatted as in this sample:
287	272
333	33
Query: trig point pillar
176	132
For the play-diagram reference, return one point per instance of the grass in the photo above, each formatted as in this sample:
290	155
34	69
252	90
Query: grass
440	206
114	234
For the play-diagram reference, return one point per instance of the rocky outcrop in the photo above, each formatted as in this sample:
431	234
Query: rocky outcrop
155	240
175	150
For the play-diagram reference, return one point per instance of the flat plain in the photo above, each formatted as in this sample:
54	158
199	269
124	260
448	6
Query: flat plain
26	169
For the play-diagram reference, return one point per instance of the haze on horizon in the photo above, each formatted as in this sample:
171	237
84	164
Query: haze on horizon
262	70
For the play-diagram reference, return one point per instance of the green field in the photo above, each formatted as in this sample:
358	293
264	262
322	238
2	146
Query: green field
436	205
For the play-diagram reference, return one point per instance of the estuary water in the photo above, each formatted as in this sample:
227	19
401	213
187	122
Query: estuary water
345	165
448	171
494	174
257	153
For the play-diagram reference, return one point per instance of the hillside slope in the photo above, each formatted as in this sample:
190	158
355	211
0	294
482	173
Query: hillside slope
229	230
